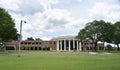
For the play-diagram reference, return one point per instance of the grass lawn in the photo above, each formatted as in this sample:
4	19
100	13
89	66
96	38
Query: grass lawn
60	63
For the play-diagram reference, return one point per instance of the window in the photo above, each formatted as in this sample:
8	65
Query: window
29	42
21	42
33	43
25	42
54	42
39	42
36	42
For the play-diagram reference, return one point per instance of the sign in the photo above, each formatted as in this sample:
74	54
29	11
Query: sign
19	37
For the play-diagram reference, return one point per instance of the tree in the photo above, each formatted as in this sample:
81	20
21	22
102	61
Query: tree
108	33
7	27
95	31
38	39
109	48
82	35
1	46
30	38
116	37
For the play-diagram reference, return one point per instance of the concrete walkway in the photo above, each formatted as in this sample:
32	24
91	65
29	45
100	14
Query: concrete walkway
86	54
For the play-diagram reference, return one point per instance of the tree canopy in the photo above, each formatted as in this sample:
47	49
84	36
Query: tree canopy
30	38
116	37
38	39
96	31
7	27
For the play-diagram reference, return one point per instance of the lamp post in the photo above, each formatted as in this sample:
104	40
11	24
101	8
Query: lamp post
20	36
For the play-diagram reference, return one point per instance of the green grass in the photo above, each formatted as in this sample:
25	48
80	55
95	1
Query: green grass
60	63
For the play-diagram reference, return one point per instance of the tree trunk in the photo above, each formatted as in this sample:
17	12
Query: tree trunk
96	47
84	47
118	47
4	46
104	45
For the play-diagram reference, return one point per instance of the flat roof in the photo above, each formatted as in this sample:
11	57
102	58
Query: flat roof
64	38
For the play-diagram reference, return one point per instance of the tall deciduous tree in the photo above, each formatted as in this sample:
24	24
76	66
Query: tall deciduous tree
82	35
7	27
96	31
116	37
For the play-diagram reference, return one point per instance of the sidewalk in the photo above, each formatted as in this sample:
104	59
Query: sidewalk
86	54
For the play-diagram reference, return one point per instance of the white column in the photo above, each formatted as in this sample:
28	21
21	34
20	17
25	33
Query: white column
80	46
57	45
73	44
104	45
69	45
64	45
60	45
77	45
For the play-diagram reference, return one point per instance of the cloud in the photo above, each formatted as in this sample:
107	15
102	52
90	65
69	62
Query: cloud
30	7
46	22
51	18
105	11
54	1
79	0
52	23
10	4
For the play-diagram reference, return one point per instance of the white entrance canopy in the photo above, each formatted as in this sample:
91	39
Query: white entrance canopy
67	43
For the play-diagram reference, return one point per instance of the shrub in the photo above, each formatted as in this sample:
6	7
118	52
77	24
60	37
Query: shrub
109	48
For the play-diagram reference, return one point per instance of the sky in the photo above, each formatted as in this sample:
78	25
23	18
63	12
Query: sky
52	18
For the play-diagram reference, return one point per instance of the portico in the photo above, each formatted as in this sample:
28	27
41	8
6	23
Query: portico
67	43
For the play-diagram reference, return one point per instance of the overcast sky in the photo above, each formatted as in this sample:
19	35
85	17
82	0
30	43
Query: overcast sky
52	18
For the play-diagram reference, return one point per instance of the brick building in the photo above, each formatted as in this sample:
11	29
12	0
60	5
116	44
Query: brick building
31	45
62	43
71	43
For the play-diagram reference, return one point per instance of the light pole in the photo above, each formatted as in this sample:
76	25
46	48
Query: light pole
20	36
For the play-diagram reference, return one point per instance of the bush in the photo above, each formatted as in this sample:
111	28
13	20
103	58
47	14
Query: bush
109	48
1	49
